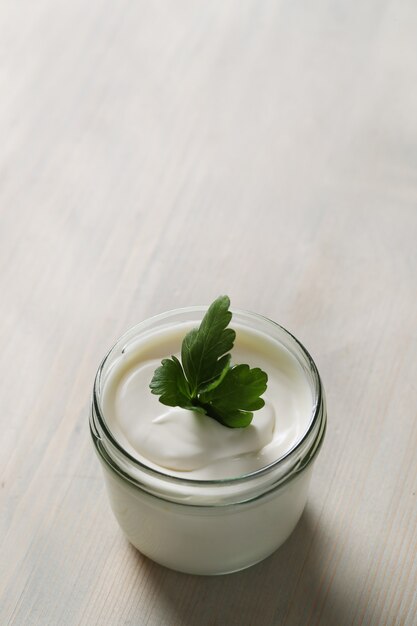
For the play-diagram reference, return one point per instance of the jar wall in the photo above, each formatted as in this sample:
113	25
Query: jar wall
224	539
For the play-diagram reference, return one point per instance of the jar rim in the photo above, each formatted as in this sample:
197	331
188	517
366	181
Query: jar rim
97	417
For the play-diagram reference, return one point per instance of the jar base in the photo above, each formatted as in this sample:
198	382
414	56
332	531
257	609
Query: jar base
221	572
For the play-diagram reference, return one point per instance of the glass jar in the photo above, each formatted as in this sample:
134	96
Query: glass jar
208	526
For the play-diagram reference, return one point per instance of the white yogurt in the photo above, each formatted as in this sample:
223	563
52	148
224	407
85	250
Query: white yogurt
188	444
187	491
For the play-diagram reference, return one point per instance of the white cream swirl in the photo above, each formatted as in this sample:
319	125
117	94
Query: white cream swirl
187	444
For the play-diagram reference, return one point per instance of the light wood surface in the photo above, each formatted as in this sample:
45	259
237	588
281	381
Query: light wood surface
154	155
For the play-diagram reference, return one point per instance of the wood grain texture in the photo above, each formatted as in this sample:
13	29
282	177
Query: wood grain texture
154	155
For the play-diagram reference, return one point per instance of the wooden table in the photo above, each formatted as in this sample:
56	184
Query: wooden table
157	154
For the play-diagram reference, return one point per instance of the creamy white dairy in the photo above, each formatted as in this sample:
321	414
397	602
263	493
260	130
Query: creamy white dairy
173	515
188	444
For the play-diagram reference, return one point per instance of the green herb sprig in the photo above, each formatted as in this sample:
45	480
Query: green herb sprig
204	380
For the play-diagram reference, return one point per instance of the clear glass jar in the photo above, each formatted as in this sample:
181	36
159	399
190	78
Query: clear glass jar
208	526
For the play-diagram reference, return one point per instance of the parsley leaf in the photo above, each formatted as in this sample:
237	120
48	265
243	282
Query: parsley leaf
205	381
237	395
170	383
203	351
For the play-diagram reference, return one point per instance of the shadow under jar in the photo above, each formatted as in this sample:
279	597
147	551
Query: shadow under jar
208	525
